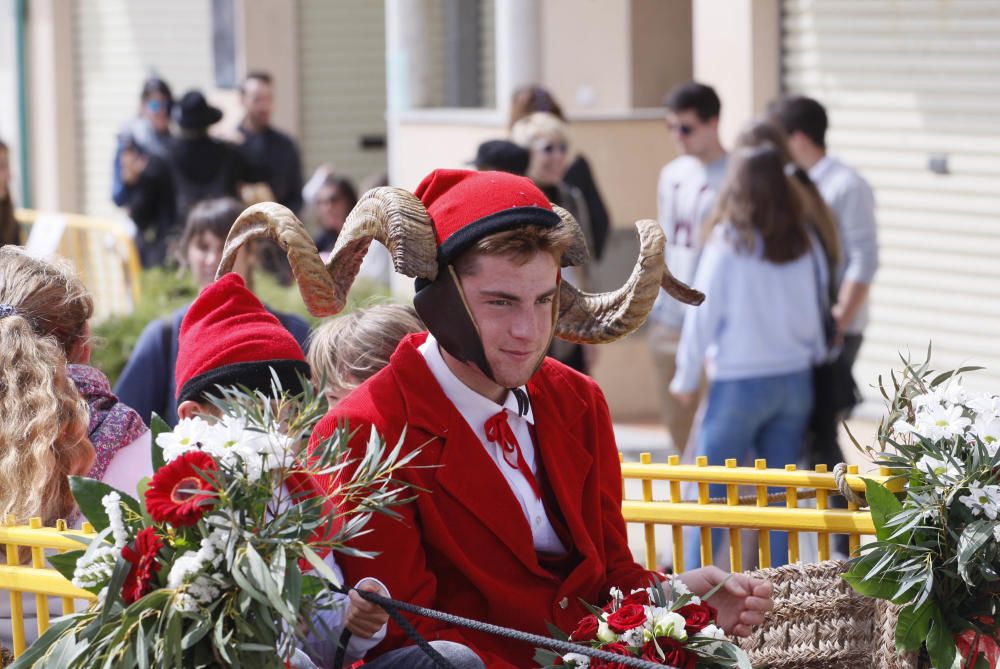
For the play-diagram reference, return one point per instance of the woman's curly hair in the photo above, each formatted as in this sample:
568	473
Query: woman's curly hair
43	419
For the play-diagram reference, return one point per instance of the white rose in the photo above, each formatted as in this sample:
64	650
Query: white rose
605	634
670	624
712	632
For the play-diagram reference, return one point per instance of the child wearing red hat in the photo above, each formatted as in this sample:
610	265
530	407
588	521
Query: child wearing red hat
519	514
228	338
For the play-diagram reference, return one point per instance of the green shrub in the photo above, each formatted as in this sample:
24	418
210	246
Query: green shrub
165	290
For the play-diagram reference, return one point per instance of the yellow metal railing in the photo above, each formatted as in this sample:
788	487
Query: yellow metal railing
757	512
733	513
105	258
34	578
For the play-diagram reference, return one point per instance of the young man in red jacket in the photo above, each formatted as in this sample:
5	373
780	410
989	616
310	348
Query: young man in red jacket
517	515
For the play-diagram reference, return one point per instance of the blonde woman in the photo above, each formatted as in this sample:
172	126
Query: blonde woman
45	304
346	351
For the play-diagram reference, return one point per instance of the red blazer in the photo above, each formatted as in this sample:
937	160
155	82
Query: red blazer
465	546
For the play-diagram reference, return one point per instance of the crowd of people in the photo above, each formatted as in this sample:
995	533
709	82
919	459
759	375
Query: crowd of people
519	515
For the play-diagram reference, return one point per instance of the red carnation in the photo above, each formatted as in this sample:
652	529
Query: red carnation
176	494
586	629
614	649
696	617
674	653
144	565
627	617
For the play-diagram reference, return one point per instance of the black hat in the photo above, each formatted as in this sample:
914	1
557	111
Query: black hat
194	112
501	155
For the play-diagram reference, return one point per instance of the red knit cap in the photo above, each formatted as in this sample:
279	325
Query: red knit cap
467	206
228	338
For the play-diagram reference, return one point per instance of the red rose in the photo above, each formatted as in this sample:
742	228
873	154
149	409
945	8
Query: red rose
144	565
614	649
640	597
627	617
697	617
177	493
674	653
586	629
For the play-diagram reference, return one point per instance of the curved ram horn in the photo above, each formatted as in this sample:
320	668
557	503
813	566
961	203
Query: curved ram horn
392	216
589	318
577	255
398	220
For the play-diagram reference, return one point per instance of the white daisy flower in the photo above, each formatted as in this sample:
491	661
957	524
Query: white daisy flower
187	436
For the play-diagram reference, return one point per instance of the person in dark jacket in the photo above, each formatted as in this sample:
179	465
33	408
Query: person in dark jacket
203	167
271	154
527	100
147	382
141	181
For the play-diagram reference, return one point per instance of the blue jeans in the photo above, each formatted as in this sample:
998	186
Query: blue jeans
763	417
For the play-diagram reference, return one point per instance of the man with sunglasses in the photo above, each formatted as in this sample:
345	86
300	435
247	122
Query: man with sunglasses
685	197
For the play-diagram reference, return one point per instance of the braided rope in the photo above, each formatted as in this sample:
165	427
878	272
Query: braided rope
391	606
839	476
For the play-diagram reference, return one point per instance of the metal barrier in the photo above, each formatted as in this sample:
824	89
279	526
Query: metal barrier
105	258
36	578
735	513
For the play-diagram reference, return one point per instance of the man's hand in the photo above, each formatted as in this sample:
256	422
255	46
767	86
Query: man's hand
741	602
364	619
132	165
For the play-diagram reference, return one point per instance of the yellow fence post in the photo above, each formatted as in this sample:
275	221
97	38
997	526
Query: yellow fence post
763	536
676	531
792	502
822	538
16	601
735	546
706	532
649	528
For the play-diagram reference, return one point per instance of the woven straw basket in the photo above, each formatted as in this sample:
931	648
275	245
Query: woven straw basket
819	622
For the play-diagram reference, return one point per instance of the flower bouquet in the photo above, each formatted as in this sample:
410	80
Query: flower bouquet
937	553
663	624
219	561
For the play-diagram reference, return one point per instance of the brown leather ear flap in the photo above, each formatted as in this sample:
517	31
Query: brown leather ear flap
442	307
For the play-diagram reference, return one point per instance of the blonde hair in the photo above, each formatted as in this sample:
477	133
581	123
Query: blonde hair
347	350
539	124
43	419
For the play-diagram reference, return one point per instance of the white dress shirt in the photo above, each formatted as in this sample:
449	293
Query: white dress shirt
476	410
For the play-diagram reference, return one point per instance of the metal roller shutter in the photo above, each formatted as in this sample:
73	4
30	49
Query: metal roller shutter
117	44
905	82
342	57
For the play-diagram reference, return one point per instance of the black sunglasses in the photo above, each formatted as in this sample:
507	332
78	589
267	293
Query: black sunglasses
681	128
553	147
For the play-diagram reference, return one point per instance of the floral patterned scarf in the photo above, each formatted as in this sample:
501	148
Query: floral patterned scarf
113	425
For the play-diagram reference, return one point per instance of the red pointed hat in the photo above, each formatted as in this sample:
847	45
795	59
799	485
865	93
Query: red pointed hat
228	338
466	206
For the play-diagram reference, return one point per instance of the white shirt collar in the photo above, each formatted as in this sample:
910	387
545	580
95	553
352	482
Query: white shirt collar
474	407
819	170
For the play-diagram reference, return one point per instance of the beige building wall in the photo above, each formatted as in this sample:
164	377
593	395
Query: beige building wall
737	51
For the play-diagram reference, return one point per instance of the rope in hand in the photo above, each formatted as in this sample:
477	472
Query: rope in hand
393	607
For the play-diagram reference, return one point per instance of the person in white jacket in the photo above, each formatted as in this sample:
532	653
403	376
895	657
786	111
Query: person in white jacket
759	331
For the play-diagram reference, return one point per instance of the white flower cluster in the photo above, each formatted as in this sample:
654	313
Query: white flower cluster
951	411
983	500
112	503
576	660
188	572
230	440
95	568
